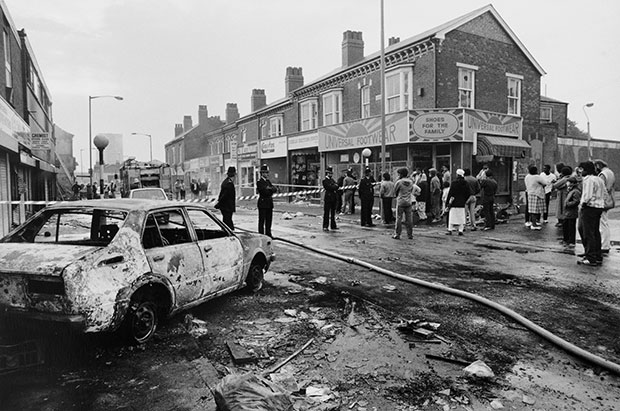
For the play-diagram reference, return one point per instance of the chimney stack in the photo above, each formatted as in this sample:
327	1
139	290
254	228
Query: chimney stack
203	115
393	40
178	129
259	99
232	113
187	123
352	48
294	79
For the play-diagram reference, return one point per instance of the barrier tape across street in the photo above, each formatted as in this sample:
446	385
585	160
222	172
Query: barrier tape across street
201	200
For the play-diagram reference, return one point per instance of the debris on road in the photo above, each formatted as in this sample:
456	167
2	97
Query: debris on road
479	369
250	392
319	280
239	354
194	326
389	288
286	216
447	359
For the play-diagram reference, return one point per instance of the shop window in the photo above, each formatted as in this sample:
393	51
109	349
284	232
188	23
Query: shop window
398	90
546	114
305	169
467	83
332	108
514	94
365	101
309	114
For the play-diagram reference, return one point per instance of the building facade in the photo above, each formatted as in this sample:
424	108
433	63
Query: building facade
463	95
27	142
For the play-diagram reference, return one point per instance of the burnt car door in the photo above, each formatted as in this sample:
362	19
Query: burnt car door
222	251
173	254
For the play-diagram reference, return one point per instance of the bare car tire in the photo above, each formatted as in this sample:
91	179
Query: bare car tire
141	321
255	277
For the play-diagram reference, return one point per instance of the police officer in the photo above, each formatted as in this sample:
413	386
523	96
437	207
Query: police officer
330	200
226	200
266	190
367	197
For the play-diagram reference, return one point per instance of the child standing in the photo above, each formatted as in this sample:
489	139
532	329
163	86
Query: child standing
571	211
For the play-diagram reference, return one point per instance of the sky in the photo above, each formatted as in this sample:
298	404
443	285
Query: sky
167	57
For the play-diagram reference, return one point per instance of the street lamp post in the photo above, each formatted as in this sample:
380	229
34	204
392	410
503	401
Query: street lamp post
588	124
90	133
150	142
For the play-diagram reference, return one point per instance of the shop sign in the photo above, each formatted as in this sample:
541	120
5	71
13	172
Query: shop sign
273	147
491	123
247	151
194	164
303	141
435	125
203	162
40	141
217	160
431	126
13	129
364	133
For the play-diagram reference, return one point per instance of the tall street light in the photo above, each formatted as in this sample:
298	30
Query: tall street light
150	142
90	133
589	136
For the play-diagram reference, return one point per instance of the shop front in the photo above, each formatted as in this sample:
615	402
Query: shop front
464	138
343	145
304	161
273	153
247	167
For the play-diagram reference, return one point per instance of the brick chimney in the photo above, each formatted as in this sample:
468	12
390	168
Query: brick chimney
393	40
187	123
232	113
178	129
259	99
203	115
352	48
293	80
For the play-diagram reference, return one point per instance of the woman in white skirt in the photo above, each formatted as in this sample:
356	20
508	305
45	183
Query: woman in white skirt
457	197
535	186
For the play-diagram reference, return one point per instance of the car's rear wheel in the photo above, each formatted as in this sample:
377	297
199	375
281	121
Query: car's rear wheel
255	277
141	321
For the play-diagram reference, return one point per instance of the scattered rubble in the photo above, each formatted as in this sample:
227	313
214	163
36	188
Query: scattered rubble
479	369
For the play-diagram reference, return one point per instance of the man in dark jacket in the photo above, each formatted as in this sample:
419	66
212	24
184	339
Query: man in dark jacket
226	200
266	190
367	197
330	200
488	188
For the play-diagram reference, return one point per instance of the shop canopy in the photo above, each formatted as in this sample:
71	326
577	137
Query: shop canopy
502	146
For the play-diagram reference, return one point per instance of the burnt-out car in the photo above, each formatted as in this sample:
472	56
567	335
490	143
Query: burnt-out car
107	265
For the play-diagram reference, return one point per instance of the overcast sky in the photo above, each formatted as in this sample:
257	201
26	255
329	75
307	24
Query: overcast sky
167	57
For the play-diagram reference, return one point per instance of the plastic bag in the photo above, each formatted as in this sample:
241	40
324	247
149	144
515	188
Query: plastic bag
248	392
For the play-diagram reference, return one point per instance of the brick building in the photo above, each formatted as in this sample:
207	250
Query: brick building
27	143
463	94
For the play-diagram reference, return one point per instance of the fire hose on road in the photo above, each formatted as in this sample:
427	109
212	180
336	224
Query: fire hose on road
563	344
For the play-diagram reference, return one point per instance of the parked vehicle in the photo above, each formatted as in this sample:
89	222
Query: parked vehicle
123	264
150	193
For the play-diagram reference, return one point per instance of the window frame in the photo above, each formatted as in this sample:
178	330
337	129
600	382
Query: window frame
467	89
276	125
334	97
365	101
516	100
545	119
310	108
404	96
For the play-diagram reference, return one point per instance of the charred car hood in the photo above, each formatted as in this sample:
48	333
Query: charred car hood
41	259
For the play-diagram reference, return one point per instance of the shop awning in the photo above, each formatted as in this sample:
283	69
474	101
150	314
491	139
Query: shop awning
502	146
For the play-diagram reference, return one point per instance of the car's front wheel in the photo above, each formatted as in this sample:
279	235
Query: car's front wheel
141	321
255	277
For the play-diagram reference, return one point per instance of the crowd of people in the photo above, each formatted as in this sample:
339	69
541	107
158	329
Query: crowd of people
584	194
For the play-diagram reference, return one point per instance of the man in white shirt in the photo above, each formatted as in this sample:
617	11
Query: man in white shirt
550	178
590	210
609	179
